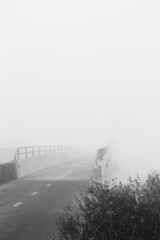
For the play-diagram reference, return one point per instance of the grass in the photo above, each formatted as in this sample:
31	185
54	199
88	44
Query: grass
128	211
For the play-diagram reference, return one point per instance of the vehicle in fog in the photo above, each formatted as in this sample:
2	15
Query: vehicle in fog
101	163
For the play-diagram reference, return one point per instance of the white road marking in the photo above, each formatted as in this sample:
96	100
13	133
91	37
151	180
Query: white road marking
34	193
48	185
67	173
17	204
58	210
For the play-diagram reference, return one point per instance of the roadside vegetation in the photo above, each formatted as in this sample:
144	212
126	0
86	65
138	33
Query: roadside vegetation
128	211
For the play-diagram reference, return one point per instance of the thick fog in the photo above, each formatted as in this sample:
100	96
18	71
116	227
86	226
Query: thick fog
82	73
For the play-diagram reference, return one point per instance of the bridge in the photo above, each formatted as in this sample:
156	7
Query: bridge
33	158
45	179
30	159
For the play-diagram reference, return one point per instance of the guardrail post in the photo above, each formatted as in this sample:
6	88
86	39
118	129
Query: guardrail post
26	152
18	153
32	151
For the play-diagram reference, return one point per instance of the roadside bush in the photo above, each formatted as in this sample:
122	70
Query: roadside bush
125	212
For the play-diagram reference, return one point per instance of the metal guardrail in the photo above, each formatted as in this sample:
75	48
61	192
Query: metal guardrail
35	151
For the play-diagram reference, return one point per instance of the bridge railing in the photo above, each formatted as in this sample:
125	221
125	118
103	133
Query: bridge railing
33	151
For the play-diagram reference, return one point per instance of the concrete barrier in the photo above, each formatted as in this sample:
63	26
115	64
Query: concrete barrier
27	166
7	172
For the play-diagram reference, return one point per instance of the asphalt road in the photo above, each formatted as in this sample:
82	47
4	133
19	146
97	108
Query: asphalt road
30	206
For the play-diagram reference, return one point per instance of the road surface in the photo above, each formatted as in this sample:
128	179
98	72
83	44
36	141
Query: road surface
30	206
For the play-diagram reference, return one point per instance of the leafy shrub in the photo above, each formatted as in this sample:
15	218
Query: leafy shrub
125	212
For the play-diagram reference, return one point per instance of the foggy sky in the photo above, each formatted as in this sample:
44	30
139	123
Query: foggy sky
81	72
